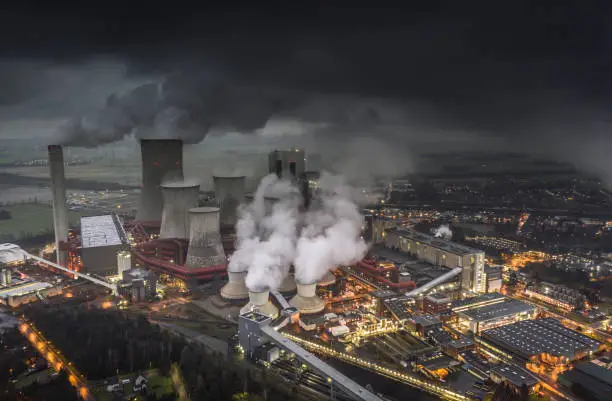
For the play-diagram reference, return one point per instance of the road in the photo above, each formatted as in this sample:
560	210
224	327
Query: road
56	359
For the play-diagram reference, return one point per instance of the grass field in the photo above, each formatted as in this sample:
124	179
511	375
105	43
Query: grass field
31	218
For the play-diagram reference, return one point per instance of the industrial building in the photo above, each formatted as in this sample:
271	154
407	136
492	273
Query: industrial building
493	278
544	340
102	237
480	318
289	164
11	255
138	285
437	303
515	377
594	379
439	252
557	295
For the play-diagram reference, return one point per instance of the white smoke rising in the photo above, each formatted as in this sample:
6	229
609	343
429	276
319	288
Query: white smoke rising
443	232
331	234
266	234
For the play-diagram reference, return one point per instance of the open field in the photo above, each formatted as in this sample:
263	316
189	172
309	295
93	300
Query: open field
31	218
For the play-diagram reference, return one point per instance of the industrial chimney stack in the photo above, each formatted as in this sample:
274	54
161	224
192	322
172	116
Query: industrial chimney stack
58	190
162	160
229	192
205	247
178	198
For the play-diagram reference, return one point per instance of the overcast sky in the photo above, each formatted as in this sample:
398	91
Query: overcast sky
519	75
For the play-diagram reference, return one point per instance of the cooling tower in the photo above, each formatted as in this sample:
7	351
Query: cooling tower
306	299
269	202
178	198
261	302
328	279
58	191
229	192
162	160
205	247
235	289
288	285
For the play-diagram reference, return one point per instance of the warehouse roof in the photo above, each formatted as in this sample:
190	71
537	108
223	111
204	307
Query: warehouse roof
10	253
436	242
498	310
97	231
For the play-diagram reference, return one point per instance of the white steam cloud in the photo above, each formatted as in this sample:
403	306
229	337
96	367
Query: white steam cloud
266	231
443	232
331	235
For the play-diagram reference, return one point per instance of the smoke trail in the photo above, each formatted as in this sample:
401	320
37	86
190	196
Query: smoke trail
331	234
179	107
443	232
266	234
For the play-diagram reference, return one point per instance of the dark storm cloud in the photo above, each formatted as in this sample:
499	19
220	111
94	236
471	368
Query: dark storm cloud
475	72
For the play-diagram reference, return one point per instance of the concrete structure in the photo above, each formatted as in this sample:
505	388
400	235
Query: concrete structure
546	340
515	378
288	285
493	278
124	262
205	247
287	163
306	299
102	237
437	303
309	183
12	255
162	160
138	284
58	193
326	280
179	198
557	295
6	277
260	302
235	289
442	253
255	331
229	192
482	318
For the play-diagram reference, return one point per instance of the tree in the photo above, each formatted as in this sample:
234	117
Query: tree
512	279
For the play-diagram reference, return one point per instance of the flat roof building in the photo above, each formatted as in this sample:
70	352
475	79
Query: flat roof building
541	339
102	237
484	317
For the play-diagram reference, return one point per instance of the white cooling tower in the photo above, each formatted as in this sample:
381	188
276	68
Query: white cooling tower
306	299
288	285
229	192
235	289
260	301
205	246
326	280
179	198
162	160
58	191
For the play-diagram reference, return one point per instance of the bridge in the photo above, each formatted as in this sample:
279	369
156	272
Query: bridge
438	280
110	286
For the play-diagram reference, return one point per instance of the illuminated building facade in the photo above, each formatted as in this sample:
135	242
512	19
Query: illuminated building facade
442	253
484	317
437	303
556	295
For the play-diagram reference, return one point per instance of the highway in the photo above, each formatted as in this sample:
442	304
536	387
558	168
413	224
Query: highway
56	359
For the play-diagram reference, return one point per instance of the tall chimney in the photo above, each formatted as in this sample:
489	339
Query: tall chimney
205	247
58	190
179	198
306	299
229	192
162	160
260	301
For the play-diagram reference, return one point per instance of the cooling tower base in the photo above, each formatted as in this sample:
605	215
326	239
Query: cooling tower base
288	285
328	279
307	305
235	289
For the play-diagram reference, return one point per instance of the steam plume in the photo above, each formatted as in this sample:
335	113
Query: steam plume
443	231
331	234
266	237
179	107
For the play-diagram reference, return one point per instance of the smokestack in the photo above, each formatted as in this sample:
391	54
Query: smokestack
306	299
179	198
235	289
328	279
288	285
162	160
260	301
58	190
205	247
229	192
